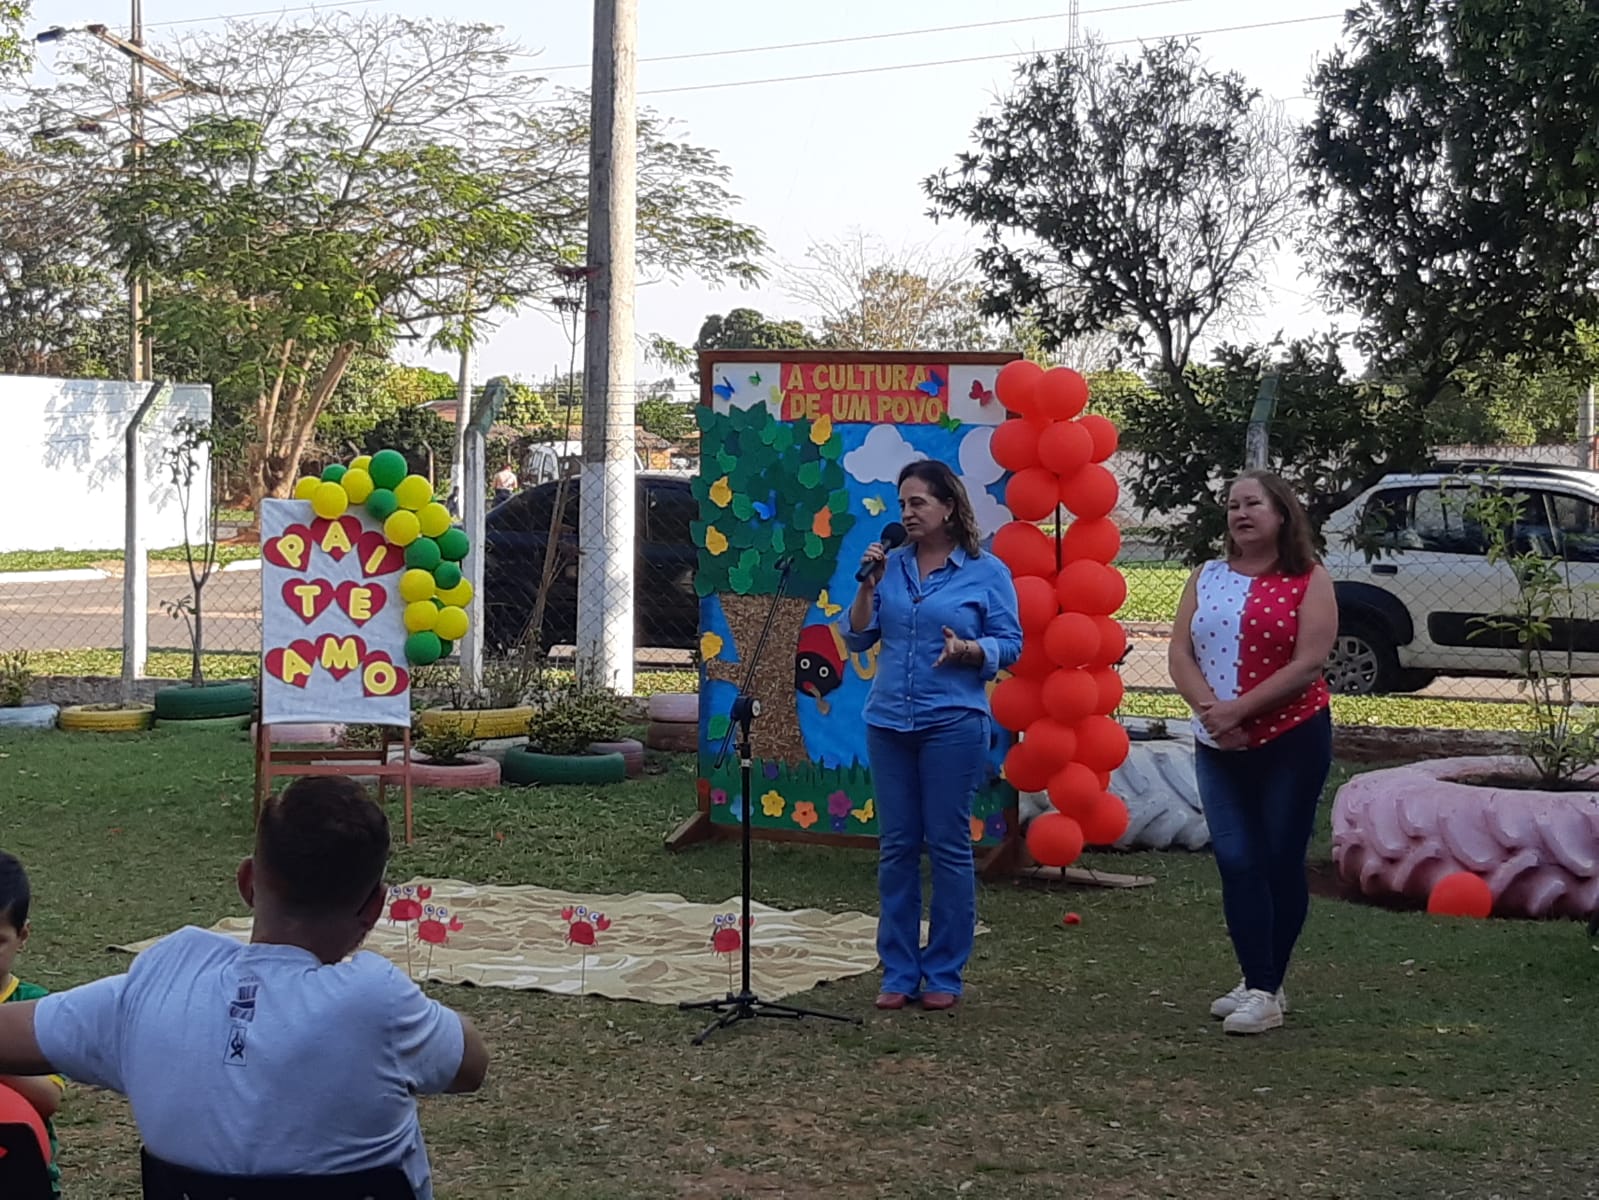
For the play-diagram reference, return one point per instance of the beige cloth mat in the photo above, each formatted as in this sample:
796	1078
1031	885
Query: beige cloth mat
657	947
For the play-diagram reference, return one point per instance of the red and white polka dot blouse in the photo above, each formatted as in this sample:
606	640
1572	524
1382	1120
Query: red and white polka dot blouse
1244	630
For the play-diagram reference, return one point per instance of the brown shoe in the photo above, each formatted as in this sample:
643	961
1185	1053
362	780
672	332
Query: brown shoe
939	1001
889	1001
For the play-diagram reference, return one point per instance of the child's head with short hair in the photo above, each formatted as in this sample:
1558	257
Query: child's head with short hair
16	898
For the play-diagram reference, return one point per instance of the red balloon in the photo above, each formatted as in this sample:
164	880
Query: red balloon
1102	432
1107	819
1090	587
1056	744
1054	840
1104	780
1017	385
1017	702
1034	662
1032	494
1025	768
1062	392
15	1109
1064	447
1026	550
1035	603
1014	445
1098	539
1069	695
1073	790
1112	642
1102	744
1090	493
1461	894
1071	640
1108	682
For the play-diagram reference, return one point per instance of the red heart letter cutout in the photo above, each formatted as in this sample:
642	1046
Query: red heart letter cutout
340	655
291	548
307	598
361	601
380	677
336	538
293	663
378	555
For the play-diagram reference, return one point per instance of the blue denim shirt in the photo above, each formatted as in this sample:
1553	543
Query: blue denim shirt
975	598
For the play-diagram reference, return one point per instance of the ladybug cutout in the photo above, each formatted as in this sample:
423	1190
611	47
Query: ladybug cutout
818	664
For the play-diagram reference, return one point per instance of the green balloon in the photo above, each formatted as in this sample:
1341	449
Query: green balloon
423	554
446	575
388	468
333	472
382	504
445	648
453	545
423	648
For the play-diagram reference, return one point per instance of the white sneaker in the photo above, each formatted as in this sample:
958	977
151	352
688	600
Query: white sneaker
1258	1012
1225	1006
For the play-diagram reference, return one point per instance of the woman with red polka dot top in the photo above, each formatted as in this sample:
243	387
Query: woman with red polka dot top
1252	633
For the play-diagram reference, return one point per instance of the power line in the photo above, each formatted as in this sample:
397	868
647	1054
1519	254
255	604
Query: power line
262	12
877	37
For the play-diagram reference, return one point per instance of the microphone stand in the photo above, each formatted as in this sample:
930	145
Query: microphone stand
746	1005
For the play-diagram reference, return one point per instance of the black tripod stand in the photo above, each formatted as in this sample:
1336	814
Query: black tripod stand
746	1005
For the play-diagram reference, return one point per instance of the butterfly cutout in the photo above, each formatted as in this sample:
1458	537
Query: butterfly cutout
981	394
825	603
874	505
767	509
756	379
945	421
932	385
724	389
865	813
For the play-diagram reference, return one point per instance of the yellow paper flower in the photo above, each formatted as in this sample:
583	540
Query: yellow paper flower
721	494
866	813
710	645
773	804
715	540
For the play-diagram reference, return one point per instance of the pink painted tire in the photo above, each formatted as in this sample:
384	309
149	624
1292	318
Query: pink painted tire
475	771
631	750
314	734
1397	832
674	708
679	737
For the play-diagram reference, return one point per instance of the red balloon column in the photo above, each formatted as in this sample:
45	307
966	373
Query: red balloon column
1063	689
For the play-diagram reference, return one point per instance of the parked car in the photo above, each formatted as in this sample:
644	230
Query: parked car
665	605
1412	577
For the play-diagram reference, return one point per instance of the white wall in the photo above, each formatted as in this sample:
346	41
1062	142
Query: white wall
61	449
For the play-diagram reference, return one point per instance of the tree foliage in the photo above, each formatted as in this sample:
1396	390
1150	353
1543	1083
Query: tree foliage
425	438
371	390
12	13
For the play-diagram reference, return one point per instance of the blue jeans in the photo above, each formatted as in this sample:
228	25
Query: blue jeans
925	782
1261	808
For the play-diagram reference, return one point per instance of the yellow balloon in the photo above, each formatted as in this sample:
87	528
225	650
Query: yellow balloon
357	485
305	486
422	615
451	623
361	462
402	528
329	500
458	596
416	586
414	492
435	519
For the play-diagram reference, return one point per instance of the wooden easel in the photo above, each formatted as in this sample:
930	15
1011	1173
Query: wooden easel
271	762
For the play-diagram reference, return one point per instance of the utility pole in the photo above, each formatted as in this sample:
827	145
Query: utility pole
463	414
606	529
1585	429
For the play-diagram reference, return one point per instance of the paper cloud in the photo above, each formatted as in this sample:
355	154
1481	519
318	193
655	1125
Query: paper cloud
881	456
977	465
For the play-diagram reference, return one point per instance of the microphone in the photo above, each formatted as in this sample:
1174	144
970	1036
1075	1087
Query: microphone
893	535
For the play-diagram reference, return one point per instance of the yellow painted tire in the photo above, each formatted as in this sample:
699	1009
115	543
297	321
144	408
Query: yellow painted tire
87	718
477	723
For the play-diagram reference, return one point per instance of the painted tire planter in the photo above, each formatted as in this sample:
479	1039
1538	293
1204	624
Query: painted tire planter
527	766
188	703
631	750
474	771
89	718
678	736
29	716
200	723
1396	832
477	722
309	734
674	707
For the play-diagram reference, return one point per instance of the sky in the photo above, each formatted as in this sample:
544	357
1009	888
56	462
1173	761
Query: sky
815	158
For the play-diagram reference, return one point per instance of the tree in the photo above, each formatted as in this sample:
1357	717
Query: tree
525	406
1143	196
867	297
12	13
773	493
661	413
425	438
1454	164
371	390
358	180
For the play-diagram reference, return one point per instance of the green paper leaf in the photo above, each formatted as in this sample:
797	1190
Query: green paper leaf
810	475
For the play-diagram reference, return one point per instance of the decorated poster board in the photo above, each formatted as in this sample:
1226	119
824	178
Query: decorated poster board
333	633
799	457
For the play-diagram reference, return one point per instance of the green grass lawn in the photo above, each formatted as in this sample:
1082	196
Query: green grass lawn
1424	1058
1153	590
58	560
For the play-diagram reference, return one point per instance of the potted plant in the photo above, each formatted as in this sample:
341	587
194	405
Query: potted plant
1527	826
496	709
572	722
215	703
441	760
15	711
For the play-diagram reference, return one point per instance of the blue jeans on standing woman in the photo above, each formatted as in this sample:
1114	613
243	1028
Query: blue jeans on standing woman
1260	805
925	781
